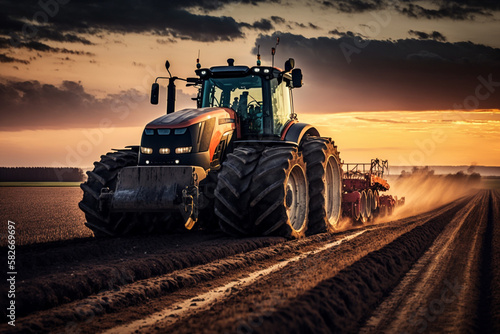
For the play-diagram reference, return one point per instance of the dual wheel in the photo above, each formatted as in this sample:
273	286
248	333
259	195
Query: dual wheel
367	207
280	190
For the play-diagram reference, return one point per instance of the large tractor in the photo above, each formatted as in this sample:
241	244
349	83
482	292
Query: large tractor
240	159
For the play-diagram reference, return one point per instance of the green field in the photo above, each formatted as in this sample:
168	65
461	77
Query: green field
40	184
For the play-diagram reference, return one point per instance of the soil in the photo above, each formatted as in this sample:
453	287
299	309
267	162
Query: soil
434	272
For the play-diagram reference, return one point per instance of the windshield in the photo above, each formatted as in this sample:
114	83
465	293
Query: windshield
242	94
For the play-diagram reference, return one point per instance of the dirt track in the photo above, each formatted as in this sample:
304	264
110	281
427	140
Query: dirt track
434	272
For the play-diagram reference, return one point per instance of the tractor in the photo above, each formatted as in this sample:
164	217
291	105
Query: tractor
240	161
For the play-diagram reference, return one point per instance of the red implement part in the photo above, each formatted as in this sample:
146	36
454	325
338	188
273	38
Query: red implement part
367	178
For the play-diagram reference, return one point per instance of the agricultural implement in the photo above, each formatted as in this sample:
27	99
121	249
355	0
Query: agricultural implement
240	161
362	185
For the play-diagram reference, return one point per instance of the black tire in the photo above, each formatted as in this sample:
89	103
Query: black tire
376	204
232	193
104	223
279	193
104	175
369	204
363	206
324	174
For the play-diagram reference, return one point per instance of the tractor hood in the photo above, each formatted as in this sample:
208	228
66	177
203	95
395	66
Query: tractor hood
187	117
190	137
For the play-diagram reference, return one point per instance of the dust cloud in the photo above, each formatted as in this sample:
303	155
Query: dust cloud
424	191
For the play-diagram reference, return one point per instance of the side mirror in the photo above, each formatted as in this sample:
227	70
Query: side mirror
289	65
155	92
296	78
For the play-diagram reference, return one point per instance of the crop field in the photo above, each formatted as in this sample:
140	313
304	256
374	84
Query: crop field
427	269
42	214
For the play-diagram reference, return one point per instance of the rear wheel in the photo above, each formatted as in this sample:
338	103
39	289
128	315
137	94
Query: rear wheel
232	193
279	191
324	174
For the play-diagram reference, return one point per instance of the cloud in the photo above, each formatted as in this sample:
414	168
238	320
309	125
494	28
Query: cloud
262	25
456	9
77	19
6	59
355	6
278	19
405	74
431	9
313	26
380	120
34	105
348	33
291	24
435	35
38	46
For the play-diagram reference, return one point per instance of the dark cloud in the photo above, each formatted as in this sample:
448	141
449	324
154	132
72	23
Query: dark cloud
292	24
435	35
452	11
431	9
6	59
39	46
73	21
34	105
338	33
166	41
355	6
313	26
262	25
51	35
484	4
350	74
278	19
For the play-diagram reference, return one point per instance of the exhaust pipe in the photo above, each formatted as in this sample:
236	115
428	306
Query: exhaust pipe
171	95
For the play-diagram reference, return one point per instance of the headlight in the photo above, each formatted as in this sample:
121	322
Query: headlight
164	151
182	150
146	150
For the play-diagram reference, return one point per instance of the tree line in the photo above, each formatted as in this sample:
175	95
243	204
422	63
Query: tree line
41	174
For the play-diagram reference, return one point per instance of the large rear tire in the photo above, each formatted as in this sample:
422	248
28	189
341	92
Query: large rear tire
279	191
232	193
324	174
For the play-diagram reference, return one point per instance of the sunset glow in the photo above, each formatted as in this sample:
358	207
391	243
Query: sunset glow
382	83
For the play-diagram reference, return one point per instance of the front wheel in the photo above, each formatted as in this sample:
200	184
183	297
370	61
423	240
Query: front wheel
104	175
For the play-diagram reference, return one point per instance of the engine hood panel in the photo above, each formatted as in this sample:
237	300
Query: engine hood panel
187	117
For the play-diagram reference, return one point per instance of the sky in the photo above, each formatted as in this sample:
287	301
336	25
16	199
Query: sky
415	82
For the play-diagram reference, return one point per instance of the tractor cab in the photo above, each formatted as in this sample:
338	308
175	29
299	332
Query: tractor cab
260	96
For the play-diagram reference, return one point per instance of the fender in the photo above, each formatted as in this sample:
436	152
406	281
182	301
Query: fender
296	132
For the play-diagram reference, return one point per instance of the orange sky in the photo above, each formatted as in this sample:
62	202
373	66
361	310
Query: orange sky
414	98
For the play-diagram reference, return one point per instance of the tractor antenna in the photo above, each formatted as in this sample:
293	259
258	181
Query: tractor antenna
198	65
258	55
273	50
